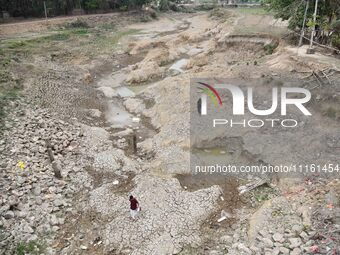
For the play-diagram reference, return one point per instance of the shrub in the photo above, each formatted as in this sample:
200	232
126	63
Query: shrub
269	48
17	44
123	8
331	112
107	26
163	5
91	4
336	26
31	247
336	41
58	37
77	24
153	15
220	13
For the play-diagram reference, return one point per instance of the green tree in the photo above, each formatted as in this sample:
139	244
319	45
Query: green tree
293	10
135	4
91	4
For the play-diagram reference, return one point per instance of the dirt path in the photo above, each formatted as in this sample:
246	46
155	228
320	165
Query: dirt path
27	28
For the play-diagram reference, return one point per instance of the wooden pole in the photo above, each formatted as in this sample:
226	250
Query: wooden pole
134	143
45	9
304	24
55	165
80	7
311	50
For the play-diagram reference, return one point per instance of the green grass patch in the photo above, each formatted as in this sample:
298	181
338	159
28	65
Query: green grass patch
58	37
255	30
252	10
10	94
331	112
188	250
118	35
263	193
9	46
103	38
8	86
220	13
5	62
105	43
270	48
207	2
29	44
81	31
7	95
93	40
77	24
5	76
61	35
204	7
107	26
31	247
261	197
16	44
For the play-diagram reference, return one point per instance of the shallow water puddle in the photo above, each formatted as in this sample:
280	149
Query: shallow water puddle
138	89
124	92
117	116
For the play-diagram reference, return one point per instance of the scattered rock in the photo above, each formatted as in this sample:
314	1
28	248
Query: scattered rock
8	215
83	247
277	237
226	239
178	67
304	235
294	242
296	251
28	229
95	113
54	220
37	191
107	92
297	229
284	250
267	242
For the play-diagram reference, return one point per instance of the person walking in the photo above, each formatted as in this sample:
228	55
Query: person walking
134	207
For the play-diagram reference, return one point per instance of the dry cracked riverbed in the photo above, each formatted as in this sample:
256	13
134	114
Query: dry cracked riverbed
92	87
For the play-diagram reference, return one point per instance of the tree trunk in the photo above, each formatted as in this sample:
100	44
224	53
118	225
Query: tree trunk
55	165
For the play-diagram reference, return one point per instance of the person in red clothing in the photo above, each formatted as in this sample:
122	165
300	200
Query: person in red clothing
134	207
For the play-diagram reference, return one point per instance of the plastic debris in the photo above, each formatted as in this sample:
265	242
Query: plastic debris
135	120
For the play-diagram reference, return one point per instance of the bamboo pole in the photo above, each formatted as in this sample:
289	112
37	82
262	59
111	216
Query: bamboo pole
311	50
304	23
